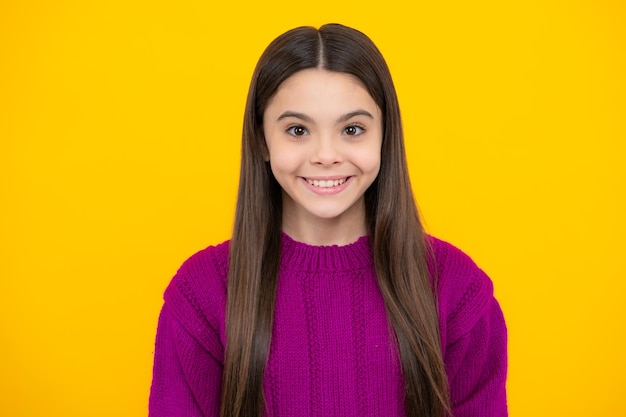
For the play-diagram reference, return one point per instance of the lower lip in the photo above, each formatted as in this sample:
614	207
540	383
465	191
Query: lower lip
327	190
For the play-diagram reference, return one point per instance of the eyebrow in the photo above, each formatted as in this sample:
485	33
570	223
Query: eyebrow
307	119
296	115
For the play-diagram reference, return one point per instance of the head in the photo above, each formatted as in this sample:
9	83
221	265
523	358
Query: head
334	48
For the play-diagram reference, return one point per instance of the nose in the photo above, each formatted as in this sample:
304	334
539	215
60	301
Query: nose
326	151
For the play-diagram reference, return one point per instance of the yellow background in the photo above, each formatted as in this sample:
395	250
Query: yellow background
119	149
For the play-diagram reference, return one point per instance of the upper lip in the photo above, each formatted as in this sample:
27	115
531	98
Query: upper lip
327	178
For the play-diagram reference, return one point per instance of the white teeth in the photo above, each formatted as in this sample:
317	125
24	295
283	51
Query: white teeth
327	184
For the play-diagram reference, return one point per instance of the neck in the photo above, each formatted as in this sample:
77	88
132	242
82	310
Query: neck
340	231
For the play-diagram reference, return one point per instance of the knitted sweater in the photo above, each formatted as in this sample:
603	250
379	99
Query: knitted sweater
331	352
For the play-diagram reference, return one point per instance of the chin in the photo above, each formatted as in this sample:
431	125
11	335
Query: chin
329	214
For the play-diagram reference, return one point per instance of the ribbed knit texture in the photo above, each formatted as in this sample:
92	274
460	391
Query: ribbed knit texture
331	352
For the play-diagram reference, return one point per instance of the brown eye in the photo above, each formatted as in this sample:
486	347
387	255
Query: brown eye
353	130
297	131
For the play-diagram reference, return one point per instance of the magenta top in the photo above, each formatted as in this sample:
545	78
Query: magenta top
331	353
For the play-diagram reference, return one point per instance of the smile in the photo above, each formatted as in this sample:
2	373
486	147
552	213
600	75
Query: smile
326	183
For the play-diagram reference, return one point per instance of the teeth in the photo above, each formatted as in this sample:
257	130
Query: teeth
326	184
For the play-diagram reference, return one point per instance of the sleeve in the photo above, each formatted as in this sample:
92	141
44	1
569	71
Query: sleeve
473	335
186	380
189	347
476	363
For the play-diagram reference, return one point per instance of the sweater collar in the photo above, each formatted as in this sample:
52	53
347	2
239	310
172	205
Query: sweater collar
299	256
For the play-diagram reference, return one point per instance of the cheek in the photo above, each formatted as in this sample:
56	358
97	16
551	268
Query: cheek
283	160
369	159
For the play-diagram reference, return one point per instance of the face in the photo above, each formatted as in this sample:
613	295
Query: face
324	134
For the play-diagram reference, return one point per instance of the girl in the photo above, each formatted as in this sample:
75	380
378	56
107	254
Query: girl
330	300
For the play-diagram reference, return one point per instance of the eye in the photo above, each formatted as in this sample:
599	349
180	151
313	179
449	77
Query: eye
353	130
297	131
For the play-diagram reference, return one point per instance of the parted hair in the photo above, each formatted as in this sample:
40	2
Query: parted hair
400	247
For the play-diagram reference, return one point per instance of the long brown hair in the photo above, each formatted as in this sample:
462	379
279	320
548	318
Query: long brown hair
400	248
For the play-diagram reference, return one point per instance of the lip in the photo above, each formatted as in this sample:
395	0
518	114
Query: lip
326	178
327	190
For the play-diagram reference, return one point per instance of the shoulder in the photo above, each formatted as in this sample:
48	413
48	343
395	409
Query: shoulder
210	261
464	290
196	295
203	271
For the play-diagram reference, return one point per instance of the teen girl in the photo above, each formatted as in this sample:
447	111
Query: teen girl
330	300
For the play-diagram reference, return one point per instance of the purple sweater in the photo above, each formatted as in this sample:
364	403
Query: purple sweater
331	352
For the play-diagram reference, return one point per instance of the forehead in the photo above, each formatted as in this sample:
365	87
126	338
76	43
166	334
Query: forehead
318	90
320	76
